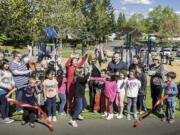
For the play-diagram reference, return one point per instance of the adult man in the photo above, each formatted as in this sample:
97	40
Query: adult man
116	64
20	74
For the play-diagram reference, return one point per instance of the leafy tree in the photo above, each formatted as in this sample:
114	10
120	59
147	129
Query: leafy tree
121	22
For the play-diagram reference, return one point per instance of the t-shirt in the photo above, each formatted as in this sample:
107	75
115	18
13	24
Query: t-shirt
20	80
121	84
6	81
133	86
50	88
29	96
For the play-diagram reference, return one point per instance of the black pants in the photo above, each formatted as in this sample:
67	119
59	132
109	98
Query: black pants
92	94
4	106
29	115
141	104
168	110
156	92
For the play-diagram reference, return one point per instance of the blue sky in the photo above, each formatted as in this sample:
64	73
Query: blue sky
130	7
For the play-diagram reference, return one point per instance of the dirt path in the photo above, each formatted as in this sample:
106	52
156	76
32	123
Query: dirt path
176	68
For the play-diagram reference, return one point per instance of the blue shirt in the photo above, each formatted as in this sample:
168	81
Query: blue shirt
172	92
28	96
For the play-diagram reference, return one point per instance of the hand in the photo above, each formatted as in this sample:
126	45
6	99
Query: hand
87	52
29	47
7	96
72	55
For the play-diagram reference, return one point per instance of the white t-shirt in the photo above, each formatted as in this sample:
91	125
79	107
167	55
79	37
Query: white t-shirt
133	86
121	84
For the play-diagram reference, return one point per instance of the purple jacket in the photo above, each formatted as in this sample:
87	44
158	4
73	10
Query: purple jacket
110	87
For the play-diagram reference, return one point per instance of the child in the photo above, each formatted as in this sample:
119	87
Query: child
121	85
80	81
50	88
179	94
39	92
29	114
133	86
170	90
6	84
62	93
141	76
109	92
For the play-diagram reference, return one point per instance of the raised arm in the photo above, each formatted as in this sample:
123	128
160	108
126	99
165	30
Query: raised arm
84	58
68	62
102	79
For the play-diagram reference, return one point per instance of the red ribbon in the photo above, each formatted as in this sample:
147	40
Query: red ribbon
49	124
137	123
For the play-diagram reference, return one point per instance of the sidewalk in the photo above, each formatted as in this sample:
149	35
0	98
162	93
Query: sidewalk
150	126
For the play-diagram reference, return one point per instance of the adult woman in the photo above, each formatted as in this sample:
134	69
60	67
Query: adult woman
157	74
71	65
6	84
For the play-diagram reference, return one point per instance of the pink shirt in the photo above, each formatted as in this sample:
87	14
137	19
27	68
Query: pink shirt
50	88
62	87
110	87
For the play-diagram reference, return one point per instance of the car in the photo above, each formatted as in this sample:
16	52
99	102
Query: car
165	51
174	48
178	53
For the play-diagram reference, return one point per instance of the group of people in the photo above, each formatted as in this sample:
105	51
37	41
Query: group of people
43	84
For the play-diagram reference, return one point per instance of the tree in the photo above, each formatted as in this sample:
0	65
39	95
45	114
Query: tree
170	27
121	22
157	17
137	21
100	18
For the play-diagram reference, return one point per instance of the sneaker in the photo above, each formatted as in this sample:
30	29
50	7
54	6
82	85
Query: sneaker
32	125
135	116
110	116
21	111
54	118
80	117
164	119
50	118
73	123
171	121
23	123
105	114
62	113
120	116
8	120
128	117
117	114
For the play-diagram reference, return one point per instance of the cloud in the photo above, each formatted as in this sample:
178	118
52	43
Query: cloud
177	12
150	9
123	8
145	2
116	13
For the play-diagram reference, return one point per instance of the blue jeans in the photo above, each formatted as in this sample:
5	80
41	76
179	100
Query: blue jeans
51	106
84	102
62	104
19	96
4	106
78	108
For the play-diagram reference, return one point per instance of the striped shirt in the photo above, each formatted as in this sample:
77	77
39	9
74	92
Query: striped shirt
20	80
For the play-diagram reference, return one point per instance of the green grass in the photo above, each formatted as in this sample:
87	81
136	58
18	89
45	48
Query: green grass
90	115
177	58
